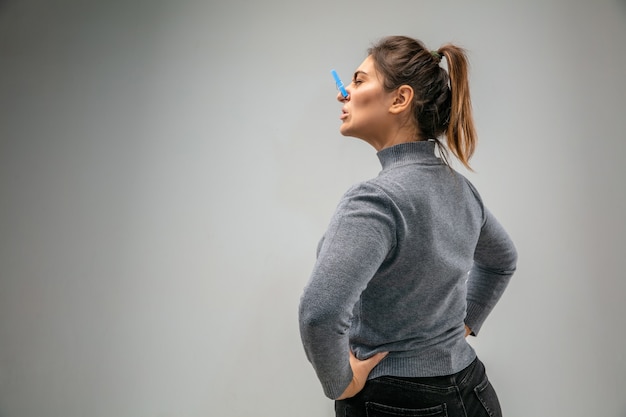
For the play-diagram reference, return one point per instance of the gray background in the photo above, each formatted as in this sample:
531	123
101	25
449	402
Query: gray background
166	169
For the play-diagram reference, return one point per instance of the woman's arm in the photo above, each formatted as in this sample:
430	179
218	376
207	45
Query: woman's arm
358	239
495	261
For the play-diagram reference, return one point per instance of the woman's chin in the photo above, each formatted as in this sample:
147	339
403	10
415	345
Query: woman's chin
345	130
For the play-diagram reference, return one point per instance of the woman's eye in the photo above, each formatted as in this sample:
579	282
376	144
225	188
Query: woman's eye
357	82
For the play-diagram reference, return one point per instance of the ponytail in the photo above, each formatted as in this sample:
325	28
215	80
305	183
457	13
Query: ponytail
460	134
441	103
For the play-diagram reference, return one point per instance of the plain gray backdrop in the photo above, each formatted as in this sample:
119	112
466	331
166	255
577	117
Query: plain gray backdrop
167	168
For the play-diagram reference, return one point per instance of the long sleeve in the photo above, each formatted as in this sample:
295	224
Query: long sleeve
392	271
495	261
359	237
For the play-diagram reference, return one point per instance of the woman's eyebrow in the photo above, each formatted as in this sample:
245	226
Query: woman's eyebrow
357	73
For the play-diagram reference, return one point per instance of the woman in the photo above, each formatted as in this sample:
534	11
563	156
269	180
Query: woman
412	261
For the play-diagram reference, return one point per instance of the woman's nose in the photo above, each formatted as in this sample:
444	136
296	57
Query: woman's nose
341	98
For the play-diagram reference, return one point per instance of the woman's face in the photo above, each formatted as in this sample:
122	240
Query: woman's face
365	113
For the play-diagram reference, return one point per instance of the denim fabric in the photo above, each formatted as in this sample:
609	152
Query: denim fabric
465	394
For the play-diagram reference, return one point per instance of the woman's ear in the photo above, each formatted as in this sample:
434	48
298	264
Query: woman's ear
402	99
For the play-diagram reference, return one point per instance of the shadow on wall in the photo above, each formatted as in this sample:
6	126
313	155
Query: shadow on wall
5	7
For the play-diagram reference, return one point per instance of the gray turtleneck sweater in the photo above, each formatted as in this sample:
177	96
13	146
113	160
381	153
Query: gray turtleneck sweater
409	257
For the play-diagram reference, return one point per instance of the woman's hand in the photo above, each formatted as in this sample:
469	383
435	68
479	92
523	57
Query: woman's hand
468	331
360	371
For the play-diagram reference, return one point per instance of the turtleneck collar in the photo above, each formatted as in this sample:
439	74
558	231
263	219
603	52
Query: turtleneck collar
422	152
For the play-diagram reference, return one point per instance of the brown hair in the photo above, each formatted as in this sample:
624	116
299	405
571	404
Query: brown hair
441	102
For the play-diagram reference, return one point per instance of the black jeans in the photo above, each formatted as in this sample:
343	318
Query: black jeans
465	394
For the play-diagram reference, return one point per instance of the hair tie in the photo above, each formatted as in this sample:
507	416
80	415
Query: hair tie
436	54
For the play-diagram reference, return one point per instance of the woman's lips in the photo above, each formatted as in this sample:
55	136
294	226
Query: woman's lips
344	114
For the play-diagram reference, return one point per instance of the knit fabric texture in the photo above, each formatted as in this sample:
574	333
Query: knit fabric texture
408	258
